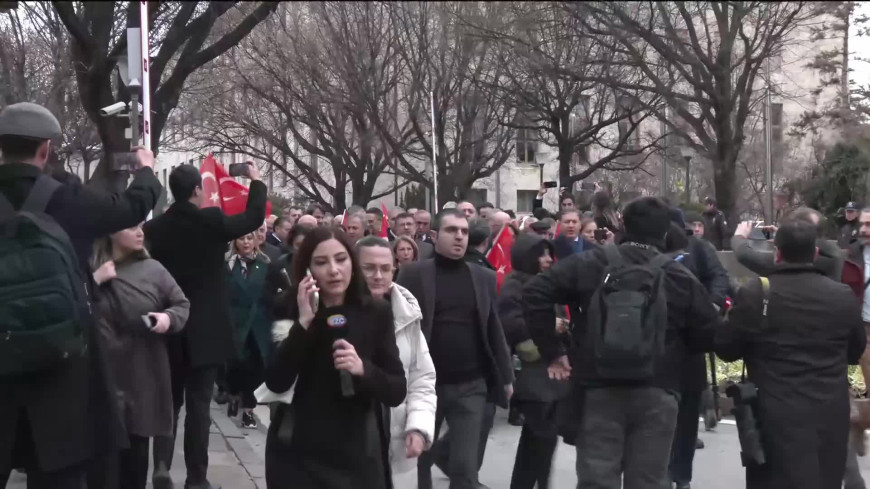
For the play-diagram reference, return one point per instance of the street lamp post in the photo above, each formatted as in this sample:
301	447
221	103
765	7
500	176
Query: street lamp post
687	154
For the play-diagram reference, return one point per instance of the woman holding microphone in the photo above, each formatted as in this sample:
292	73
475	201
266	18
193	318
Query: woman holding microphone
341	359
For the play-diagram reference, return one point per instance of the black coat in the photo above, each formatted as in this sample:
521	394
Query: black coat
532	381
564	246
336	442
715	229
474	256
798	361
69	413
191	244
829	261
419	278
701	259
691	315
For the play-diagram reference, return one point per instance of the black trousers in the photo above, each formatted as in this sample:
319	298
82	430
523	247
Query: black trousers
192	387
685	437
133	464
463	406
538	440
68	478
244	375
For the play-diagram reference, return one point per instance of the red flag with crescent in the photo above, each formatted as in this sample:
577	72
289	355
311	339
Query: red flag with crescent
385	222
222	190
499	256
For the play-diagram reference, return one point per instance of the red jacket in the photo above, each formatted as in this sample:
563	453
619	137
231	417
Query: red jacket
853	269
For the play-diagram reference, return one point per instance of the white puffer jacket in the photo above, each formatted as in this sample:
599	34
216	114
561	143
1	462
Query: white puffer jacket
418	410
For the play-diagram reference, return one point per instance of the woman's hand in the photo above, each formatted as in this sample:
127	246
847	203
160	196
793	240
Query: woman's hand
414	444
307	287
163	322
610	237
105	273
345	358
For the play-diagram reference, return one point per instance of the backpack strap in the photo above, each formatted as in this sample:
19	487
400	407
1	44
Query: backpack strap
40	194
765	301
614	257
661	260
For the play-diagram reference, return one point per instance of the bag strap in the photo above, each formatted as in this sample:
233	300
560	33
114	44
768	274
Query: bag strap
765	302
661	260
40	194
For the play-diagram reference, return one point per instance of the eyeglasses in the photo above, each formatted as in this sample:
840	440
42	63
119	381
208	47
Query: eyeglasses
372	270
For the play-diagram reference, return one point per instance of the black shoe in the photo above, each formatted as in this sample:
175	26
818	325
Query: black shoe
249	421
710	420
516	418
233	408
221	398
699	444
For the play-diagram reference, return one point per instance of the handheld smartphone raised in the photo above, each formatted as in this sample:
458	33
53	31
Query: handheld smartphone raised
240	169
587	186
551	184
149	322
315	297
600	235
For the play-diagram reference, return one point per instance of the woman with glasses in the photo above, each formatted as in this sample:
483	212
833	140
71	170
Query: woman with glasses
412	424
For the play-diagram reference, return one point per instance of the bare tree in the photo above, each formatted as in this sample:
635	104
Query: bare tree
704	59
443	60
552	78
184	35
306	108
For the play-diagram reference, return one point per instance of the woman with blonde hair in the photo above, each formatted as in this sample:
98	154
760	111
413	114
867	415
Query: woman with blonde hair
247	269
405	250
138	302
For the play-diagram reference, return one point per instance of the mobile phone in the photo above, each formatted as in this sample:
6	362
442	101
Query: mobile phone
315	297
240	169
149	322
600	234
551	184
587	186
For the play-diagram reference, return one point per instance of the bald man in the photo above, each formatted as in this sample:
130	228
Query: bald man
467	208
307	221
497	221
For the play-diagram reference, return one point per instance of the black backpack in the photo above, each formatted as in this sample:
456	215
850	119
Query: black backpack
43	295
628	317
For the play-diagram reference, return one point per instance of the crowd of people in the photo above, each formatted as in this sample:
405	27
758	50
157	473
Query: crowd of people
366	333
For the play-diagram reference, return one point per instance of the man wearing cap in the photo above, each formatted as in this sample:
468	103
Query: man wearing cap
715	226
53	422
849	231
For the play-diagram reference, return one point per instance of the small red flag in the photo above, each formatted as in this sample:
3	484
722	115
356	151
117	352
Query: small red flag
222	190
558	228
344	219
499	255
385	222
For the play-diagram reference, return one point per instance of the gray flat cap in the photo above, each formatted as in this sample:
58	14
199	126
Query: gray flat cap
28	120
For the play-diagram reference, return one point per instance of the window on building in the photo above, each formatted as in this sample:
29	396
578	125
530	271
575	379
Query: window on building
526	145
526	200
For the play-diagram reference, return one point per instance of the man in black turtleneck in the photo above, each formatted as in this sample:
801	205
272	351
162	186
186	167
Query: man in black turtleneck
466	341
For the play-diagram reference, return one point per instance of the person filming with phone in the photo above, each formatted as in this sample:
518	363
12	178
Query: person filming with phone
339	355
191	243
138	302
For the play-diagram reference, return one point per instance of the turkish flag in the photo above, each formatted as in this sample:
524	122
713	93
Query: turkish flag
499	255
385	222
222	190
558	228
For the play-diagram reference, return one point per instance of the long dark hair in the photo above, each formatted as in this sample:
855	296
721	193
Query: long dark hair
356	290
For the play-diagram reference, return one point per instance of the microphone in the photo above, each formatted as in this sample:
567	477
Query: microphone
338	327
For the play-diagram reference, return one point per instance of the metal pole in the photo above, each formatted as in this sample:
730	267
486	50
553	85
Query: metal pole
768	136
146	76
434	154
663	176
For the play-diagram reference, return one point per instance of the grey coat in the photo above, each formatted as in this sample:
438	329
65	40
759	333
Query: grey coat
137	356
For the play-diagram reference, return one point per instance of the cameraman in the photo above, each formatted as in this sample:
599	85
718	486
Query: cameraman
797	338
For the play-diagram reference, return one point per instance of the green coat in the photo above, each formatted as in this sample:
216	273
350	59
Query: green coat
248	307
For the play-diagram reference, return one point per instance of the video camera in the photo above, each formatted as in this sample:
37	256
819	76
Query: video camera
745	395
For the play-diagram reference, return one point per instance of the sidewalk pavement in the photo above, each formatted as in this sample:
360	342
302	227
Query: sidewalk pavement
235	455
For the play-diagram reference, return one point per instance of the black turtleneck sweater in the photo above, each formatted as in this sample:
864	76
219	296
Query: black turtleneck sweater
456	344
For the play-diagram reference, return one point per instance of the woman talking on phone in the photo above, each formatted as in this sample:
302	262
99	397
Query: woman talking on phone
341	359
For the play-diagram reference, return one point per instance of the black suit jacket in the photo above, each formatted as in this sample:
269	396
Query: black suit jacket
191	244
272	251
273	240
69	409
419	278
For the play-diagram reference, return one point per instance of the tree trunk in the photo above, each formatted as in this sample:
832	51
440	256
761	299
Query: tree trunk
725	181
565	154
